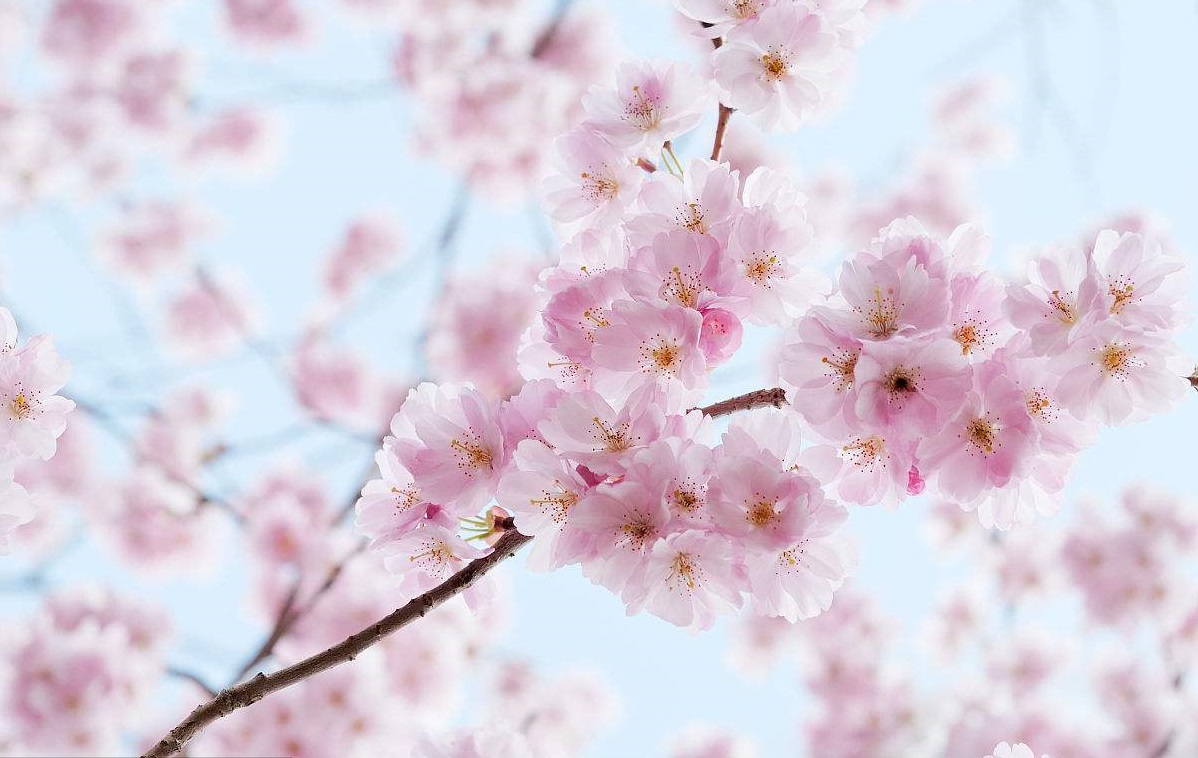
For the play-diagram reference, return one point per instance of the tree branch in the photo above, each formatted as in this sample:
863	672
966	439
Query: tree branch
233	698
755	399
250	692
721	126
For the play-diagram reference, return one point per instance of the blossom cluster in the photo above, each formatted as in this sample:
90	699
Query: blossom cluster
997	636
918	367
32	415
80	673
493	87
529	716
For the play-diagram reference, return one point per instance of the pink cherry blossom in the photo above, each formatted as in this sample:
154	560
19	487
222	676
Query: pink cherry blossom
32	416
720	16
264	23
777	68
653	101
369	245
596	183
1117	375
541	490
1139	284
450	440
909	386
1059	294
987	443
690	578
652	344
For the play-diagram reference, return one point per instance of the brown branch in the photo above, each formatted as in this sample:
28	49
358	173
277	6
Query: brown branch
721	126
233	698
755	399
261	685
1193	378
291	613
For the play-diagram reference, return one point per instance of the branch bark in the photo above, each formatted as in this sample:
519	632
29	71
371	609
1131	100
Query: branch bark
775	397
250	692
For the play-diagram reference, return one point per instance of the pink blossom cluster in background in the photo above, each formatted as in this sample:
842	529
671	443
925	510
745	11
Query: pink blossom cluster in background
491	89
1003	670
83	669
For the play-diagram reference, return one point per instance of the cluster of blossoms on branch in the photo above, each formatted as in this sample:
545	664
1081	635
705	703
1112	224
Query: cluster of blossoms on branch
32	415
919	366
924	366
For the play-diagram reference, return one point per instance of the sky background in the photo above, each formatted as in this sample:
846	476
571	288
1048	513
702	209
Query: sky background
1103	97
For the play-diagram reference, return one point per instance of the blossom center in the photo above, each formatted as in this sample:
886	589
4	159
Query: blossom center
775	64
744	9
684	290
641	110
1038	404
598	187
473	454
405	498
762	268
638	530
881	319
690	217
843	363
1121	290
685	499
615	438
559	502
900	381
761	513
967	337
1115	358
20	407
1066	313
982	434
683	570
864	452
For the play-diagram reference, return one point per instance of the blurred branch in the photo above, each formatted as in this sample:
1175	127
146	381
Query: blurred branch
234	698
180	673
291	612
109	424
545	38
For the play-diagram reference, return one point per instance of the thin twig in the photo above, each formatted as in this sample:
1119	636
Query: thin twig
233	698
195	679
291	613
721	126
281	625
775	397
109	424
